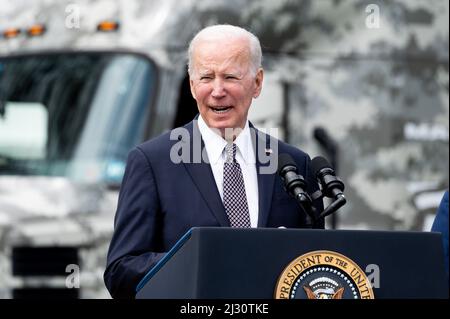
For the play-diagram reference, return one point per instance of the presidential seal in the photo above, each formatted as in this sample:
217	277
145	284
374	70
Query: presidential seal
323	274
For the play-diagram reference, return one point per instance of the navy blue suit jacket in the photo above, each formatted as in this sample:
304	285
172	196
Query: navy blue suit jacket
160	200
440	225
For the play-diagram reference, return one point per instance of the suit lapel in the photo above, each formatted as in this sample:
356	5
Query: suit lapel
203	177
265	181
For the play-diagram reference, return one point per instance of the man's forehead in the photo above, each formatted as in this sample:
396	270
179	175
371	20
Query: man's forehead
221	63
204	69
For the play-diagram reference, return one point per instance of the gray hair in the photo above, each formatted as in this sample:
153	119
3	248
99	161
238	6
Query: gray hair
226	30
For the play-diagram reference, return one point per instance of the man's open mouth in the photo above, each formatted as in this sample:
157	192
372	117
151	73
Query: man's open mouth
221	109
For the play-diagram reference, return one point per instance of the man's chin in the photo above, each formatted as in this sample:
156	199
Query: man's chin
221	125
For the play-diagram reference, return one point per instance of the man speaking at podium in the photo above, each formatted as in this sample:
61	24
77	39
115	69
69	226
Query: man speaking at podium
166	190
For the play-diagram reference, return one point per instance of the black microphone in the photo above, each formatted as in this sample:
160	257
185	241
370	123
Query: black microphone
332	186
332	149
294	183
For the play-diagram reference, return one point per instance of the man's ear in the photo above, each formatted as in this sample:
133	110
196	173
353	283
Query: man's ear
258	82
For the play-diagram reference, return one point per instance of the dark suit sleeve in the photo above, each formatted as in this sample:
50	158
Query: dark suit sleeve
134	247
440	225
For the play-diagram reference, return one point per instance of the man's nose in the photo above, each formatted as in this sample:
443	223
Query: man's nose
218	89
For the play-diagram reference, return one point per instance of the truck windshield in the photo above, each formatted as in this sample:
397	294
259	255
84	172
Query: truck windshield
75	115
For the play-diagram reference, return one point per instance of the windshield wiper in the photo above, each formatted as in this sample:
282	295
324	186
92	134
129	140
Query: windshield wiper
6	163
12	165
5	159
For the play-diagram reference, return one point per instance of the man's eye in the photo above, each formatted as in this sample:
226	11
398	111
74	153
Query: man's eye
205	78
231	77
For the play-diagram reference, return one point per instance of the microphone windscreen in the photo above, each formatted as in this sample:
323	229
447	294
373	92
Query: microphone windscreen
318	163
284	160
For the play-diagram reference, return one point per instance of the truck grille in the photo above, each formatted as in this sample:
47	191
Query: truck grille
43	261
43	264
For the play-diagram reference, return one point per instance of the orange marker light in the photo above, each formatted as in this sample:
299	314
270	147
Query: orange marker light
36	30
108	26
11	33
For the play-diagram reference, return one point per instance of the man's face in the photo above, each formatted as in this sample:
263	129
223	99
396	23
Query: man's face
222	83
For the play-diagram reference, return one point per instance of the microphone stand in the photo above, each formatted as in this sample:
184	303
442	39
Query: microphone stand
338	202
305	204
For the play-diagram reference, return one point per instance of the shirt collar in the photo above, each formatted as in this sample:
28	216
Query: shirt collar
244	145
215	144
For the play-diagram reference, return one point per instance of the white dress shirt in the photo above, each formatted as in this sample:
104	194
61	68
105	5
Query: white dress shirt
245	156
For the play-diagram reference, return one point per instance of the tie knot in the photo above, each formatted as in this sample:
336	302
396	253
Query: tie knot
230	150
